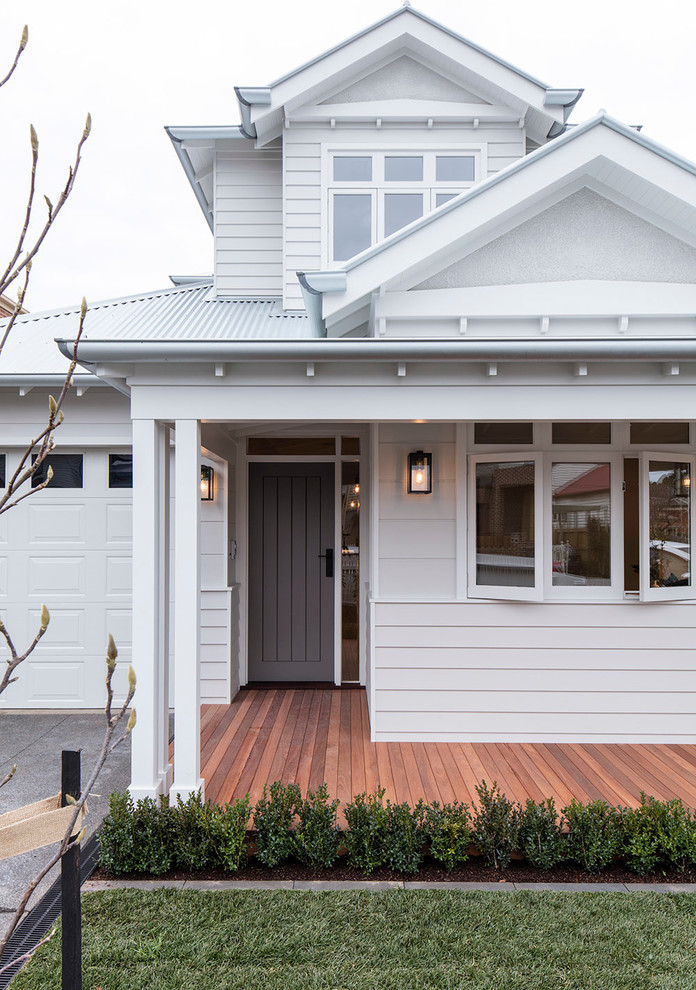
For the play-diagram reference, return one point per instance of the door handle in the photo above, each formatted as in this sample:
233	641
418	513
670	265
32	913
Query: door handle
329	557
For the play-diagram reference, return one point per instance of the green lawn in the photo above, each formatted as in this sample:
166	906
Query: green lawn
397	940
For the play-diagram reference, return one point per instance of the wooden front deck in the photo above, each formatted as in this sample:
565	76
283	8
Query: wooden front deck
316	735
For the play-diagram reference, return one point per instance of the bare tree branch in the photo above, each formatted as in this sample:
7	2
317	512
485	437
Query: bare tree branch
7	778
11	273
20	960
22	45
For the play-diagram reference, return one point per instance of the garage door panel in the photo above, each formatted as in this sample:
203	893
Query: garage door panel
118	622
3	576
56	681
118	576
55	577
64	525
66	631
119	525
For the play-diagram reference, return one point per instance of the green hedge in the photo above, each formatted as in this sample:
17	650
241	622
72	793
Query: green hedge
147	837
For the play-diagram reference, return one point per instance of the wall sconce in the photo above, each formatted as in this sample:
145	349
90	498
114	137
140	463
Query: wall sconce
207	483
420	473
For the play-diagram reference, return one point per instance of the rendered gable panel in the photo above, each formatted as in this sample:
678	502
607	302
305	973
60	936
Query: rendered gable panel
248	222
404	78
585	236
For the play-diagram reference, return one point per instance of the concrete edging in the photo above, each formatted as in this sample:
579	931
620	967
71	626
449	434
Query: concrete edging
503	886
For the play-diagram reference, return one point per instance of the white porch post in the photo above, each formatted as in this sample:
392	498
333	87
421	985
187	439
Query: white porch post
148	770
187	527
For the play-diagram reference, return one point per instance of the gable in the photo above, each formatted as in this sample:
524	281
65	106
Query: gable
404	78
585	236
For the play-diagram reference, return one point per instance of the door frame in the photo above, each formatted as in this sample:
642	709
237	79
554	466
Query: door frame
242	527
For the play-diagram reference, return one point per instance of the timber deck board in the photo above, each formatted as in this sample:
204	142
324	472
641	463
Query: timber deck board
312	735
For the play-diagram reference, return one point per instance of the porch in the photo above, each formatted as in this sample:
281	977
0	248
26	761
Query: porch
316	735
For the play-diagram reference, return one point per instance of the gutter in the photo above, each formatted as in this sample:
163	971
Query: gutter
49	381
646	349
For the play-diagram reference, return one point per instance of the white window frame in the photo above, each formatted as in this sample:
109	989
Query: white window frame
566	455
675	592
508	593
378	186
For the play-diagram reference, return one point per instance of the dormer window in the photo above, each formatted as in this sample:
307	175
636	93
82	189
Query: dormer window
371	196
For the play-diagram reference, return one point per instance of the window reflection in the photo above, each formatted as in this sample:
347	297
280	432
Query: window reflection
581	531
505	524
670	535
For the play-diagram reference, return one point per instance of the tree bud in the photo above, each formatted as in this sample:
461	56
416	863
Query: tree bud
24	38
111	651
81	835
131	721
69	799
52	405
83	308
131	678
45	618
88	126
34	139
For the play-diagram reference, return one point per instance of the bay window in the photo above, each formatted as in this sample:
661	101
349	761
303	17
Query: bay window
580	524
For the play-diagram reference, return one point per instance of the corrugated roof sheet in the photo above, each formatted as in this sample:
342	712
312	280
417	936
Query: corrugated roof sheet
177	313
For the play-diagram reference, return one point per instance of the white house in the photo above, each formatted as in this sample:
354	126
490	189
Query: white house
444	374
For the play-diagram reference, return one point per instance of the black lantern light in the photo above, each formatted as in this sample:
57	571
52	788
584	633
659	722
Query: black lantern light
207	483
420	473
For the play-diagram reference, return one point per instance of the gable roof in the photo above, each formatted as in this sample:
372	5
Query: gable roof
264	108
601	148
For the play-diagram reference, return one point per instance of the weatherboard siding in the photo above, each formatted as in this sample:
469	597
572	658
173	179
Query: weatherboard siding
249	221
534	672
302	191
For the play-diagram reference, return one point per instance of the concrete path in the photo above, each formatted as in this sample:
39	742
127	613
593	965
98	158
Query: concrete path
503	886
34	740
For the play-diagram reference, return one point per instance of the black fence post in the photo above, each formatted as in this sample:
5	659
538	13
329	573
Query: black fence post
70	882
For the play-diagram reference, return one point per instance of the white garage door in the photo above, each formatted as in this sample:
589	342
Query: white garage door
69	548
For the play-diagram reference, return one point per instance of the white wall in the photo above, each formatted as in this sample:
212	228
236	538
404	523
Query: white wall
547	672
248	213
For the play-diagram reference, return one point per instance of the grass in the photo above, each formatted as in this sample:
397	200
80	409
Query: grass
398	940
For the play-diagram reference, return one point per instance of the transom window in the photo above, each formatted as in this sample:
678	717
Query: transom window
373	195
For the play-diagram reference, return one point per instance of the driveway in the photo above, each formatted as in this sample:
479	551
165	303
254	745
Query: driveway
34	740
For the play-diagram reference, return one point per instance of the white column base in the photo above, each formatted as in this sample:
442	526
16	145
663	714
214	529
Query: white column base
140	793
184	791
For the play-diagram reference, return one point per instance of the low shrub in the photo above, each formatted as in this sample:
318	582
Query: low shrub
230	827
274	816
194	833
448	830
541	834
136	837
678	836
317	834
658	833
496	825
368	824
405	836
595	835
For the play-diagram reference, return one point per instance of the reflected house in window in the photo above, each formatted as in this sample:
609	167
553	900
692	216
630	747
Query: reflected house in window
413	252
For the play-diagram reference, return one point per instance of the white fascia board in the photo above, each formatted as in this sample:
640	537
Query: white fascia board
405	402
404	110
443	235
404	30
583	298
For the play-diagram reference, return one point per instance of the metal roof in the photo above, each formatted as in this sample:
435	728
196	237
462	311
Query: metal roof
178	313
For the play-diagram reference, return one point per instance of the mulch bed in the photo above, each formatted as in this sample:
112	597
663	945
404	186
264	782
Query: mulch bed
475	870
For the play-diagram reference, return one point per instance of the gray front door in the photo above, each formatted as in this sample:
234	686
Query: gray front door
291	567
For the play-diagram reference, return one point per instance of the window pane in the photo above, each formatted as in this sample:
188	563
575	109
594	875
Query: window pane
581	433
67	471
350	445
120	470
352	225
652	433
503	432
403	169
291	445
442	198
454	168
670	537
352	169
400	209
505	524
581	514
2	470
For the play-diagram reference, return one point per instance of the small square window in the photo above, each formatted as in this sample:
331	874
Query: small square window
402	169
571	433
352	169
401	209
67	471
120	470
454	168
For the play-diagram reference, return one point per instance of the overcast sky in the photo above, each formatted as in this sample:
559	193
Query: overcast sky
137	66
